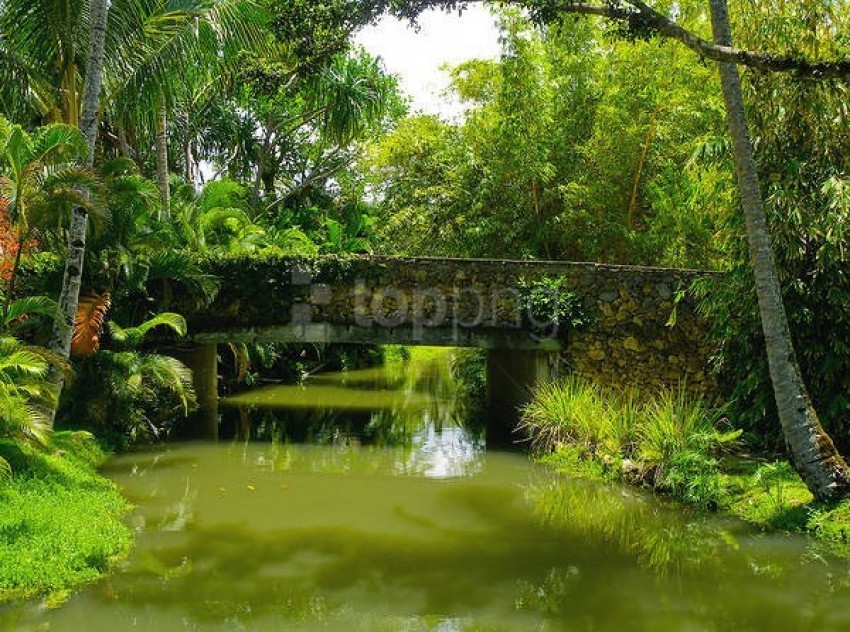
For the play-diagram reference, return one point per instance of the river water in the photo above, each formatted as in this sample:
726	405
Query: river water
367	501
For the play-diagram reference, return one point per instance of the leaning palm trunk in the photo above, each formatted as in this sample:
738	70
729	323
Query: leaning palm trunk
813	453
162	155
69	298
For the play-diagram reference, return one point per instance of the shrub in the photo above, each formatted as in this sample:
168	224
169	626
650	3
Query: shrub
670	441
131	397
550	308
572	411
674	427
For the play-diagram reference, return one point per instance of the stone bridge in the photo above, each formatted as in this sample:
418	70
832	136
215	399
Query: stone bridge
642	329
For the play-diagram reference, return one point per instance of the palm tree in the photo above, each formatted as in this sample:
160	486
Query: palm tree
192	53
814	455
75	256
46	48
42	43
40	176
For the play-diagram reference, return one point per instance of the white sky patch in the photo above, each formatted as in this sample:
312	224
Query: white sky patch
416	57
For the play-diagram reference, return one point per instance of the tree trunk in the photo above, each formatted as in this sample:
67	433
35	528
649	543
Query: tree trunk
124	144
13	277
162	155
70	296
264	155
191	171
812	451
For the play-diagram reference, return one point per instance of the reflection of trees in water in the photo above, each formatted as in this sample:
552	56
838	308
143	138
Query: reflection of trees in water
536	546
723	571
561	568
447	454
574	552
426	403
666	540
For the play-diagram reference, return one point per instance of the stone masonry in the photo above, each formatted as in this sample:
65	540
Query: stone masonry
633	338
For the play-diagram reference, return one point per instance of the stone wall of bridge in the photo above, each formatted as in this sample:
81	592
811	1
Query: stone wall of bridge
631	338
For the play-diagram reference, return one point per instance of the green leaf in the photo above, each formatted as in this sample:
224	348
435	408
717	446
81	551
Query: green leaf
133	336
31	305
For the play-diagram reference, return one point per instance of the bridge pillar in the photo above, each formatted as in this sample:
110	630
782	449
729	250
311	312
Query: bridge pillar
203	360
511	376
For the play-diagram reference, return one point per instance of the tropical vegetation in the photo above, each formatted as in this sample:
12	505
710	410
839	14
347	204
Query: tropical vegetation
138	137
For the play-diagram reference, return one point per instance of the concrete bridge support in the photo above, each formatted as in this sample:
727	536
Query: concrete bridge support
511	375
203	360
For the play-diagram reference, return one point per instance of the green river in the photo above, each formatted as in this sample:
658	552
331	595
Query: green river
365	501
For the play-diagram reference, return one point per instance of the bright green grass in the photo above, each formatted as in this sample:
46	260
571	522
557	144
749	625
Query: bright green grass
773	497
61	523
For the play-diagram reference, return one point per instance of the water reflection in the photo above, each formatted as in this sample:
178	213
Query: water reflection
413	406
264	536
406	523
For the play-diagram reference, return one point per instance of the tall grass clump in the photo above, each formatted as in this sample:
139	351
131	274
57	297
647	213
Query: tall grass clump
679	440
571	411
669	441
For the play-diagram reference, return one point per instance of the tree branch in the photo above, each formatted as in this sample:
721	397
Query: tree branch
797	66
640	16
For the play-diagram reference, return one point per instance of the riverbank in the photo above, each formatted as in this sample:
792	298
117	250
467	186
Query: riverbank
772	496
677	446
62	523
766	494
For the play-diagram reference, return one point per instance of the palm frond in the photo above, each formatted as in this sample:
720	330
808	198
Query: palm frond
25	393
88	324
22	363
38	425
171	374
221	216
58	143
29	306
171	48
179	267
18	151
131	337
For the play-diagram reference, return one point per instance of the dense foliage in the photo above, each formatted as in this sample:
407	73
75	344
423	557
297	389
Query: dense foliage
579	145
255	147
575	146
576	143
238	130
669	441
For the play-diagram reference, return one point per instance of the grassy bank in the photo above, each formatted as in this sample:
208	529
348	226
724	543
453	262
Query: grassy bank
61	523
677	445
772	496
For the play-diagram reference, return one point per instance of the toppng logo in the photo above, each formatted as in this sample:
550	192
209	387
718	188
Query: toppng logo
420	308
